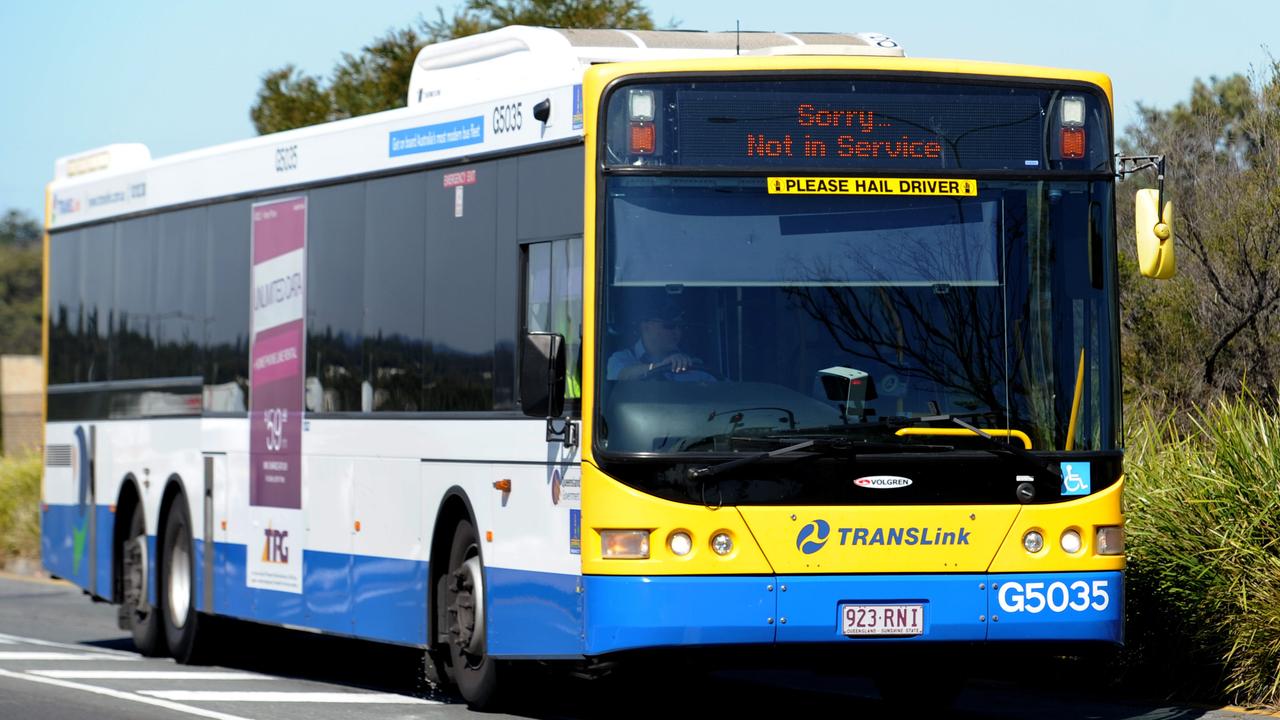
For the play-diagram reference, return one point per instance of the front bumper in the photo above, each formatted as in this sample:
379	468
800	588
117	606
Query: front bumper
632	613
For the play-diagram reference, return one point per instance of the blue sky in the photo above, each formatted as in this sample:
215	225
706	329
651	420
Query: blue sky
178	75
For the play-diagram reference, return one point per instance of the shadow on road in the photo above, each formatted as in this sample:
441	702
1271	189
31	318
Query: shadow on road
658	689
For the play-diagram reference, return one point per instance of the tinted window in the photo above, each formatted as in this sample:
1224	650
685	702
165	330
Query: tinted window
461	239
180	293
66	323
226	321
97	290
135	299
335	296
394	292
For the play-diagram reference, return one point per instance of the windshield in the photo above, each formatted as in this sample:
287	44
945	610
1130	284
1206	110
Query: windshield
734	317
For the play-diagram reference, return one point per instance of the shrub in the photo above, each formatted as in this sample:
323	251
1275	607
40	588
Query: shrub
1203	508
20	507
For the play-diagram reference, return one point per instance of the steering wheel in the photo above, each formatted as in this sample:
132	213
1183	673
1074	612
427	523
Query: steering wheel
664	372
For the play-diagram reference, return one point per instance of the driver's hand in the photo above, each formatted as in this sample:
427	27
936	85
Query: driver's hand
679	362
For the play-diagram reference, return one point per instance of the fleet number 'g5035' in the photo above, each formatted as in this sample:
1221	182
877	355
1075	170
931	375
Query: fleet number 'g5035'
1034	597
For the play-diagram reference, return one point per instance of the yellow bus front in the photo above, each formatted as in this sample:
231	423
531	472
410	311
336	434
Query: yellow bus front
851	363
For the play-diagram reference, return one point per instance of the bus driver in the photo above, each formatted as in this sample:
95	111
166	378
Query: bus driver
657	353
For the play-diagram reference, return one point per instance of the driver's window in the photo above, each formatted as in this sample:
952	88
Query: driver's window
553	302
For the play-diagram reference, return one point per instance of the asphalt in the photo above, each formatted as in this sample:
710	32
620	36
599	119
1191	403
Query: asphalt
62	658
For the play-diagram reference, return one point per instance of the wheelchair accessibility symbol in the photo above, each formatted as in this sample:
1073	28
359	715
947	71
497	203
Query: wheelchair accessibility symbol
1075	478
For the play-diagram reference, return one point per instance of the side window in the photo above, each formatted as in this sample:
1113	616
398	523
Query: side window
335	300
134	321
226	317
180	293
394	292
97	295
66	319
553	303
461	315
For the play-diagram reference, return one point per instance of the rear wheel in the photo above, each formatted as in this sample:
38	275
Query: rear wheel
182	624
137	614
472	670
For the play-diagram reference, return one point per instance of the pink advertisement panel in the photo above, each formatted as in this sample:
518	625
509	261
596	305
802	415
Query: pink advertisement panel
276	369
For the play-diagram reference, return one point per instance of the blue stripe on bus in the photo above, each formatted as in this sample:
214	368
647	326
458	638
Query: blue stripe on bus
65	545
955	606
624	612
1056	599
368	597
533	614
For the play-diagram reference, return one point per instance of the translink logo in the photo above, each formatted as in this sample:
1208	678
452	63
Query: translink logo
813	536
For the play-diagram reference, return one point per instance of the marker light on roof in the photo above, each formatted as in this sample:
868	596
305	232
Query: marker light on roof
1072	111
640	104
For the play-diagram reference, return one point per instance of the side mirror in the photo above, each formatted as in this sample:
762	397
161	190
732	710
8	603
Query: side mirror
1154	229
542	373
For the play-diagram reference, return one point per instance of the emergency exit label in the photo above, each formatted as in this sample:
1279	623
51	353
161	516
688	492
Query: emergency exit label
871	186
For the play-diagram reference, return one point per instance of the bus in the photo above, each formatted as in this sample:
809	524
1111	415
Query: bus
608	343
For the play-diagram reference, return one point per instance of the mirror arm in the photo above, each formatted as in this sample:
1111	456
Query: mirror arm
1129	164
567	433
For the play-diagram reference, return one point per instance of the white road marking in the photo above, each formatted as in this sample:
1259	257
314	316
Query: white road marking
148	675
354	698
121	695
19	640
28	655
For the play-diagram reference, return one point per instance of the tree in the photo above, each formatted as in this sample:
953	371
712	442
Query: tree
1216	327
20	258
377	78
18	230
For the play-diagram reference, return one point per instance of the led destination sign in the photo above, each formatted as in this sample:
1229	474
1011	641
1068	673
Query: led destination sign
890	131
848	125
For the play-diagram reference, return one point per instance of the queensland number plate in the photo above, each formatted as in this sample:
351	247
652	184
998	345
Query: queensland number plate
882	619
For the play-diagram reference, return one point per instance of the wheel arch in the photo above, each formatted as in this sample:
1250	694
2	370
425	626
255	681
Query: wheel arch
128	500
455	506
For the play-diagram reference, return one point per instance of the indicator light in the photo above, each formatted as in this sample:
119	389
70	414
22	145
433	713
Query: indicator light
624	544
1072	143
643	138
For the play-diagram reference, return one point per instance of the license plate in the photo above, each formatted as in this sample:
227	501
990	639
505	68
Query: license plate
882	619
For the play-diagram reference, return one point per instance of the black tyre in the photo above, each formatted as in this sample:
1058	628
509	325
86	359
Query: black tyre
177	591
473	672
136	613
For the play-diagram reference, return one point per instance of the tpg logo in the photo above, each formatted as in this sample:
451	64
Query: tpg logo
819	531
274	549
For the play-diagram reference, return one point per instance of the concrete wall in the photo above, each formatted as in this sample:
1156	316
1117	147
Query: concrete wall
21	400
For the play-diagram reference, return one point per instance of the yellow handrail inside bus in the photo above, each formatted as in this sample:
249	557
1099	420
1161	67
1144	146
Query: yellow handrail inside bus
953	432
1075	403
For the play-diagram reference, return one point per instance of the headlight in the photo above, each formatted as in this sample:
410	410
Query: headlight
1110	540
1033	541
680	543
624	544
1071	541
722	543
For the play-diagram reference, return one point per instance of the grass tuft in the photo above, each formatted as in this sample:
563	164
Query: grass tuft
20	507
1203	508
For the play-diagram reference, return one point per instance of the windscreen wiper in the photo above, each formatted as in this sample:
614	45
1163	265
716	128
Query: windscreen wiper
706	472
837	444
996	447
